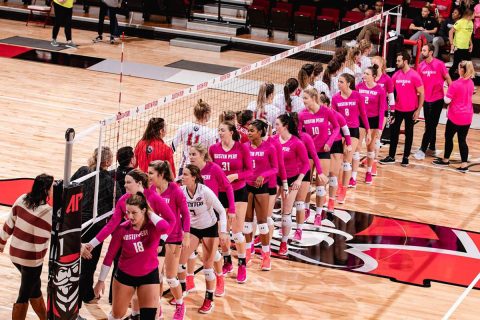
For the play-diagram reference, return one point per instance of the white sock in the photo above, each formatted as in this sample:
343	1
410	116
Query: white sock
300	226
369	169
354	175
179	301
285	238
248	245
137	312
265	248
318	210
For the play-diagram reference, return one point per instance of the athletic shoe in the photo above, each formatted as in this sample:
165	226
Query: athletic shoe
257	241
431	153
440	162
387	160
220	286
462	169
318	220
248	255
190	283
70	44
173	301
341	196
368	178
405	162
207	306
419	155
242	274
97	39
331	205
252	247
130	317
112	40
374	168
352	183
307	213
179	312
266	263
54	43
227	268
283	248
298	235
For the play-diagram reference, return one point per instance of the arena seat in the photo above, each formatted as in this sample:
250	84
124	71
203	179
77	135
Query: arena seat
281	16
415	8
327	21
304	20
43	11
350	18
257	14
389	4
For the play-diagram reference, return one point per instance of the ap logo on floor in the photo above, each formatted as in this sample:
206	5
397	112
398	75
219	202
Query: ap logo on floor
403	251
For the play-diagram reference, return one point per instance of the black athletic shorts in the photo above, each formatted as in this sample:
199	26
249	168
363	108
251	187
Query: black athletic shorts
222	196
372	122
289	181
354	132
263	189
132	281
323	155
272	191
240	195
337	147
164	250
308	176
210	232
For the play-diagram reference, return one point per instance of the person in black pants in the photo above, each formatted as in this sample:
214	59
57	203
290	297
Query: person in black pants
111	7
63	17
460	37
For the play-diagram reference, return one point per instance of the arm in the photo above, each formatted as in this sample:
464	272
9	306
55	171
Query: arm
160	207
421	98
346	135
113	248
336	128
212	201
302	156
381	109
184	212
161	225
280	162
273	160
247	163
170	160
112	224
177	139
312	152
8	227
300	122
450	36
363	114
433	31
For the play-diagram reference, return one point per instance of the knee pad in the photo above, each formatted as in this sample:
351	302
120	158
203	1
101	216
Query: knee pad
248	227
377	144
286	220
321	192
371	154
270	221
148	313
356	155
218	256
263	228
347	166
110	317
209	274
173	282
333	182
299	205
182	268
238	237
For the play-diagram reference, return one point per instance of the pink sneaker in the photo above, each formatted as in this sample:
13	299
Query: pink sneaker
331	205
190	283
257	241
352	183
266	262
374	168
368	178
298	235
283	249
307	213
242	274
227	268
318	220
207	306
341	193
220	286
179	312
248	255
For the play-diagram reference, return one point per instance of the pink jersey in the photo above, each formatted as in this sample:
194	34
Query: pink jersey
264	162
375	101
235	161
282	173
386	83
138	247
342	123
316	125
157	203
312	152
175	199
351	108
216	180
433	76
406	84
295	156
460	110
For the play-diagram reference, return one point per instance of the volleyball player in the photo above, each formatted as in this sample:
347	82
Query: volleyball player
264	165
160	176
375	102
350	104
234	159
306	76
289	100
314	120
296	166
195	132
138	239
244	118
263	107
318	83
202	202
330	76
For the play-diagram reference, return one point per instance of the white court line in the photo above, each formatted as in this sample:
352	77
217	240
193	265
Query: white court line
53	106
461	298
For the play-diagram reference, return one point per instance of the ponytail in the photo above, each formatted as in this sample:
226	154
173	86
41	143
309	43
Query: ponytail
266	89
332	67
304	75
290	87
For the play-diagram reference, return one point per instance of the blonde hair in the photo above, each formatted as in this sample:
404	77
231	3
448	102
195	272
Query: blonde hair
383	69
105	160
202	110
202	150
265	90
350	61
364	45
468	68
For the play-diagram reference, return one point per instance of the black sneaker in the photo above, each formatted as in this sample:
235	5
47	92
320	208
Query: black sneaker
112	40
387	160
405	162
97	39
440	162
462	169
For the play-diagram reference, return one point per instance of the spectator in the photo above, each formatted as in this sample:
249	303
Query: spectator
127	161
460	37
30	223
151	147
373	29
424	25
63	17
110	6
442	38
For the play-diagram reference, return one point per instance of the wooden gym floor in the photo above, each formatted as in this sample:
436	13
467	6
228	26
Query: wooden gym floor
39	101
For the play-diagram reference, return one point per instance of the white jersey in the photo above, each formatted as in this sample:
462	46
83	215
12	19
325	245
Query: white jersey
281	104
322	87
190	133
201	206
334	85
270	114
365	62
358	73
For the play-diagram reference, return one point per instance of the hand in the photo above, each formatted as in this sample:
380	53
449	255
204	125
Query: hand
232	177
391	119
286	189
368	138
99	288
296	185
186	240
86	251
323	179
224	238
259	182
231	218
452	48
326	148
416	114
349	148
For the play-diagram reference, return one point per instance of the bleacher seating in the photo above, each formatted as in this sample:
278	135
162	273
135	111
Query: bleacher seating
304	19
258	14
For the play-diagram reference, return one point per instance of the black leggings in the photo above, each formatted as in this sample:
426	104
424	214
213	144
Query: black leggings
30	284
395	132
112	15
458	56
461	132
63	17
431	111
